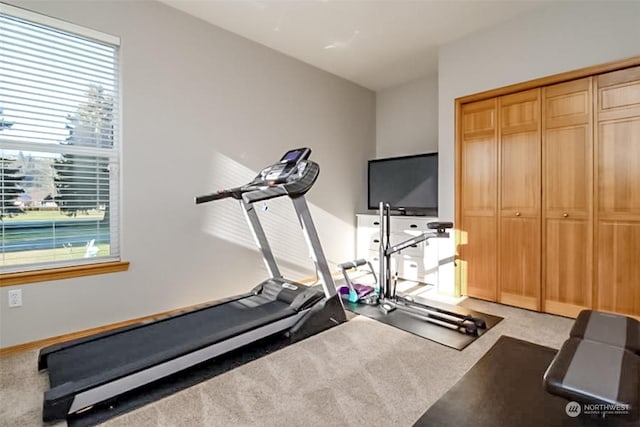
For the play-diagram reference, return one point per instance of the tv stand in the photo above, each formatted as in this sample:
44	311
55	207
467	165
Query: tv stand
419	263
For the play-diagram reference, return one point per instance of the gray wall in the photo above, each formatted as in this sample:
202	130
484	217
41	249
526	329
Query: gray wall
561	36
203	109
407	118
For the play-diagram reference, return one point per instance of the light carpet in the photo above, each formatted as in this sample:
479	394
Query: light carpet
361	373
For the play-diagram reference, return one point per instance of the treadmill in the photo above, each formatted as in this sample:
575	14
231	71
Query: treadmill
91	370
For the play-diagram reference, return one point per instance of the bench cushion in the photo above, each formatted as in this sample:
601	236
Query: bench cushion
608	328
591	372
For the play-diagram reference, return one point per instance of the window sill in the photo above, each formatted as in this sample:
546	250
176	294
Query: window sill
22	278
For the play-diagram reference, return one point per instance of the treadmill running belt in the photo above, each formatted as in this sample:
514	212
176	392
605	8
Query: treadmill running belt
163	340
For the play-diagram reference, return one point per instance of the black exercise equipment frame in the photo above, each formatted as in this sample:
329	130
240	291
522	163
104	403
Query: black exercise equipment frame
389	301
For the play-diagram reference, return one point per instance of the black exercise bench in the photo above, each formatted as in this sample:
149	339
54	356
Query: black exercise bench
599	363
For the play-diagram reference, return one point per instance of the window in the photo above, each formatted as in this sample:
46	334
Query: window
59	143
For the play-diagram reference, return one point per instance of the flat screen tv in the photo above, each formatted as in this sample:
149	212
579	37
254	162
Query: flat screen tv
409	184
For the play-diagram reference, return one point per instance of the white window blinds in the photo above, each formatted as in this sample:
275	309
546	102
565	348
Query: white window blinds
59	143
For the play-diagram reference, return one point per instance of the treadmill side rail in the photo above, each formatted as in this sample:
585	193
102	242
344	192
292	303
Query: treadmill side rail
68	398
43	356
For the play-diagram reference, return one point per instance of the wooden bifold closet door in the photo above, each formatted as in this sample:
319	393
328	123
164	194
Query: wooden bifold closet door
478	229
549	193
618	192
567	187
519	199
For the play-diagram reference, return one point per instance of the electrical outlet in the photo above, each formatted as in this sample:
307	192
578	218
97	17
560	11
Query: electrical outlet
15	298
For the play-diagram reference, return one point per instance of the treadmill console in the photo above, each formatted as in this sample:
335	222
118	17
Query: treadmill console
293	175
293	162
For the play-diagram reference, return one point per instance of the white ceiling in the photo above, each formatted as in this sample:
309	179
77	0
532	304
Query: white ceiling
376	44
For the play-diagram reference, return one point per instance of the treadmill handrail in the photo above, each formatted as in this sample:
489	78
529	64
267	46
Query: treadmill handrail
236	193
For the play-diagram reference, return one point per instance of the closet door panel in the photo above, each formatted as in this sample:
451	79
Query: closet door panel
619	94
568	267
519	199
520	262
618	267
478	265
479	176
567	184
477	228
619	168
567	168
618	192
520	174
